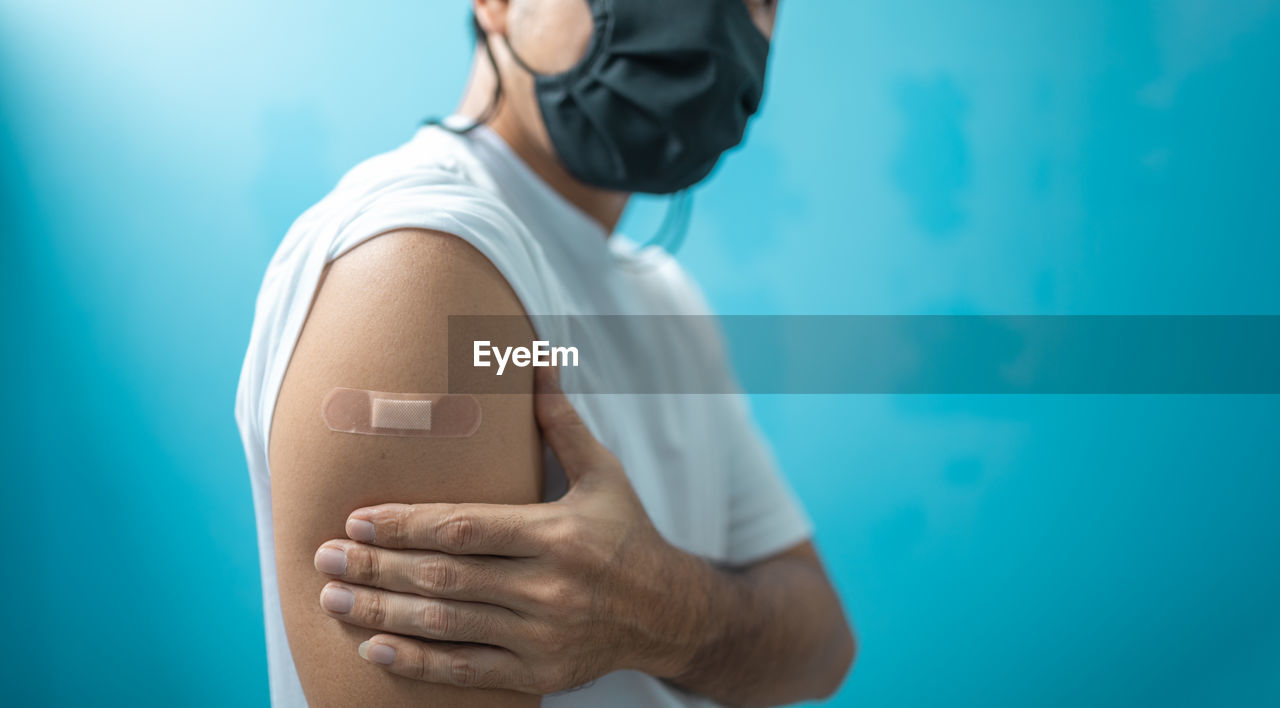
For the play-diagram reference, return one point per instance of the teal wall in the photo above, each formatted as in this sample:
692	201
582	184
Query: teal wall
995	157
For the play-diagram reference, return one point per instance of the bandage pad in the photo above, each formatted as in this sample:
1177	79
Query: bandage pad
410	415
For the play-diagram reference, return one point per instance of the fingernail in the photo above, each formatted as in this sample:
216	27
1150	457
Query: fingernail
336	599
360	530
331	561
378	653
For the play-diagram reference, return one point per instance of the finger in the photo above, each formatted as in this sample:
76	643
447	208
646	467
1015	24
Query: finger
490	579
429	618
460	529
569	437
465	666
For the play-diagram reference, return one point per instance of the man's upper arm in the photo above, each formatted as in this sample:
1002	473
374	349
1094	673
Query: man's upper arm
380	322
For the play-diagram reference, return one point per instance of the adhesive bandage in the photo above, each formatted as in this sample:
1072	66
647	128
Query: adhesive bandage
414	415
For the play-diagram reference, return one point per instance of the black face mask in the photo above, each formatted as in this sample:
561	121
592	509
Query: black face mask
665	88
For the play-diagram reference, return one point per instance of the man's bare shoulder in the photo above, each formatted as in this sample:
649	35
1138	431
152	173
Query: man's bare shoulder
421	271
379	322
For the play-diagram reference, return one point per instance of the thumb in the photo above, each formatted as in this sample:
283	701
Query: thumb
570	439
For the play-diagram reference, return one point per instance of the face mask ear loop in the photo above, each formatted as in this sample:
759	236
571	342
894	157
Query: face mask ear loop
492	109
675	224
680	229
516	57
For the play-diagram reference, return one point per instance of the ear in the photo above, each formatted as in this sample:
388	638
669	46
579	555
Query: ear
492	15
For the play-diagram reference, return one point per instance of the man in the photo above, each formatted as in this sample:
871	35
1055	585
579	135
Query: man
676	570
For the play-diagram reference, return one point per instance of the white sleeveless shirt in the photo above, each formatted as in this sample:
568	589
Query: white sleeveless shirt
701	468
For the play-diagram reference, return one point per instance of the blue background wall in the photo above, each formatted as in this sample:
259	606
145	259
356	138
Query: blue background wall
1053	157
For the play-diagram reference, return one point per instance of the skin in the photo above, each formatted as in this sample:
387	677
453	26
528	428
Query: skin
589	585
550	36
379	322
476	595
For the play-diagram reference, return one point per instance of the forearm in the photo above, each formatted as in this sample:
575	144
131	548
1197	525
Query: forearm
770	634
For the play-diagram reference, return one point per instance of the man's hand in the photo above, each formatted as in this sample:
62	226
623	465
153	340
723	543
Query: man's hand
536	598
